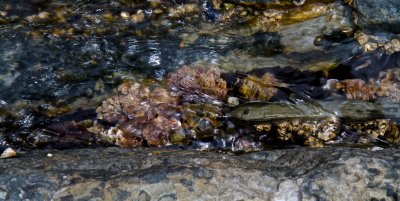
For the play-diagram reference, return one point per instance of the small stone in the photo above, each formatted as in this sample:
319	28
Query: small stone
233	101
3	194
138	17
124	15
363	39
298	2
43	15
395	43
49	155
377	149
3	13
99	85
158	11
8	153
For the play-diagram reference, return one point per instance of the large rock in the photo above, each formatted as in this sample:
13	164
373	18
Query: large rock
155	174
378	15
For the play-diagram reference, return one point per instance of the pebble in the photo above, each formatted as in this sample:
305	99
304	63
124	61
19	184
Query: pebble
43	15
298	2
3	13
138	17
124	15
3	194
377	149
8	153
233	101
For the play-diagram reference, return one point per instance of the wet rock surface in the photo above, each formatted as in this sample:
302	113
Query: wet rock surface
378	15
168	174
60	59
57	58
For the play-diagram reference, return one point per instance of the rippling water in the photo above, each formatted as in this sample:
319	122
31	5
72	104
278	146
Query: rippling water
57	57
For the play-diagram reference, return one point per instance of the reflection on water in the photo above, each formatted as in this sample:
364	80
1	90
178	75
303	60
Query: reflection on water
59	60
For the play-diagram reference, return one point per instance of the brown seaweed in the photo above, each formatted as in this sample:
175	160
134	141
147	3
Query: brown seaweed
198	85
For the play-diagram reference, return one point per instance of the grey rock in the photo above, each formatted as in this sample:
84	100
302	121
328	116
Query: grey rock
350	110
378	15
300	37
270	2
272	111
160	174
3	194
298	42
288	190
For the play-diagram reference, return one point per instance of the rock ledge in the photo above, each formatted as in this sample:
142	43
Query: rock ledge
162	174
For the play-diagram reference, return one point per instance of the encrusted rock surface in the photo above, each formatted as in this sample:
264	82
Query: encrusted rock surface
160	174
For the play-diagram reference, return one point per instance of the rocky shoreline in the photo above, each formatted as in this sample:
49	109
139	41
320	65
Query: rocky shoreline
334	173
60	59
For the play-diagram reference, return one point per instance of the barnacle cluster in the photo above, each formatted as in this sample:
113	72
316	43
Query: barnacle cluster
141	115
198	85
388	43
374	130
387	85
313	133
144	116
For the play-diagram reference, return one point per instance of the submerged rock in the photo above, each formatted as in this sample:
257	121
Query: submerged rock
158	174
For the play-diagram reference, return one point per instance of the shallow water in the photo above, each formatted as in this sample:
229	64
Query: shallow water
57	58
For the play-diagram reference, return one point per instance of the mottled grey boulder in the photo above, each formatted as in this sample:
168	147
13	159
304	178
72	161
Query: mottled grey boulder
124	174
382	15
269	2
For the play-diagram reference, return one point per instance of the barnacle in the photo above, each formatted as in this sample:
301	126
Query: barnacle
198	85
126	105
313	133
388	43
